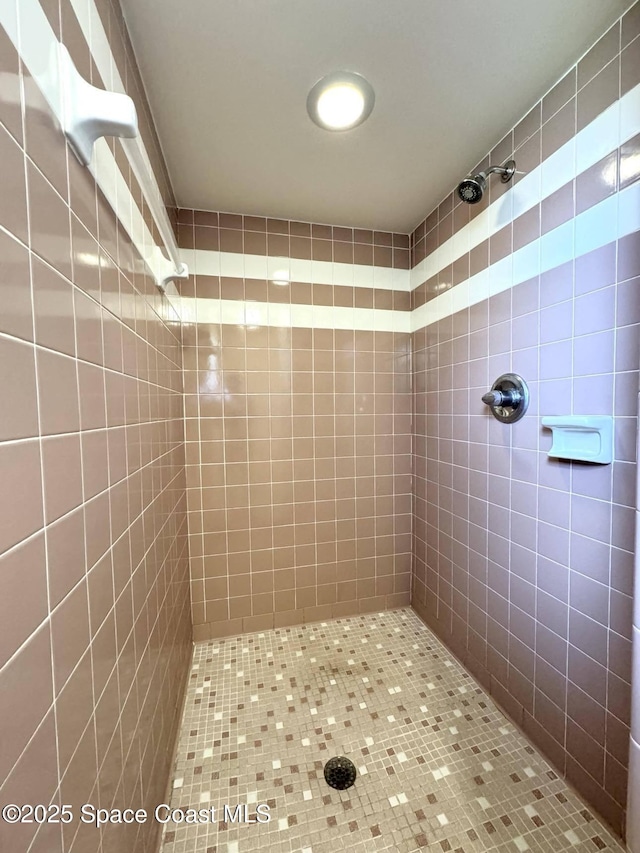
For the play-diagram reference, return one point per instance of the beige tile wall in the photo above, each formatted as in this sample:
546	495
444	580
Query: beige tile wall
298	440
94	596
524	563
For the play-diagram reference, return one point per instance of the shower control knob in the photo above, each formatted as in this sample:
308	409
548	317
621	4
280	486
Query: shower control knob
492	398
508	398
502	398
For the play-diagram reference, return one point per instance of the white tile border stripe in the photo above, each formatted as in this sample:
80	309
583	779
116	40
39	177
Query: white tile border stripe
254	314
611	219
603	223
29	29
604	134
265	267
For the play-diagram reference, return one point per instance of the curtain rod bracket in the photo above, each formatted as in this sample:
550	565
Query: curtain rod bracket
183	272
90	113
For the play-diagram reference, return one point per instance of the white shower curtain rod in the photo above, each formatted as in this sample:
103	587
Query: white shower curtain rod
89	113
156	206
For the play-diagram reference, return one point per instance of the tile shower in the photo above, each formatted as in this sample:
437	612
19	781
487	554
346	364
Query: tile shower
439	766
298	440
293	473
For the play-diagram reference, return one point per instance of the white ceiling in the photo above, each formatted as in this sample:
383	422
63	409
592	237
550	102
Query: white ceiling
228	81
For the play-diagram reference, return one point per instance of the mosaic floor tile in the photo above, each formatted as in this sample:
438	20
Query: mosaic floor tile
439	766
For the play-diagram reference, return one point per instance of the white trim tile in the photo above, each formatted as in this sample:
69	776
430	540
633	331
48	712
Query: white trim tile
460	296
596	226
629	210
302	317
322	272
598	138
300	269
279	315
362	276
558	169
344	274
630	114
501	275
557	246
232	313
500	213
231	265
344	318
383	278
526	261
527	193
255	266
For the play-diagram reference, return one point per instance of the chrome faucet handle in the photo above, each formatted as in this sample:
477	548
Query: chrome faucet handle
492	398
508	398
502	398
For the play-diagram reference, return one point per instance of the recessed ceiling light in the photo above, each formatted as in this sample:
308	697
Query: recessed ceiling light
340	101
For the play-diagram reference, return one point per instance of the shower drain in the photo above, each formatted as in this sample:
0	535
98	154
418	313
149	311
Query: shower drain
340	773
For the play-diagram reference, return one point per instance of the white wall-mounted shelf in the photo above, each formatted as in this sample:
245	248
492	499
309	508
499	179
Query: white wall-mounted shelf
583	438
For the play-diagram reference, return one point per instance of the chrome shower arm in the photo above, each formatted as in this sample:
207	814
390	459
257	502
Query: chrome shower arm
505	171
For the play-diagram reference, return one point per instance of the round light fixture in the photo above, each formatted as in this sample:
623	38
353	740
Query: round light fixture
340	101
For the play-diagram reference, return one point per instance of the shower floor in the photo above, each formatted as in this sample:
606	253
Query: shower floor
439	766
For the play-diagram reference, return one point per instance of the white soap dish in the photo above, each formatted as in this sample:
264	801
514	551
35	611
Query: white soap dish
585	438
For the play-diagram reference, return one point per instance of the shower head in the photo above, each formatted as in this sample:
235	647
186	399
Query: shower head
472	188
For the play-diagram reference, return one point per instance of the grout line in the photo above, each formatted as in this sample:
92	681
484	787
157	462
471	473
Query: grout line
45	527
46	624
